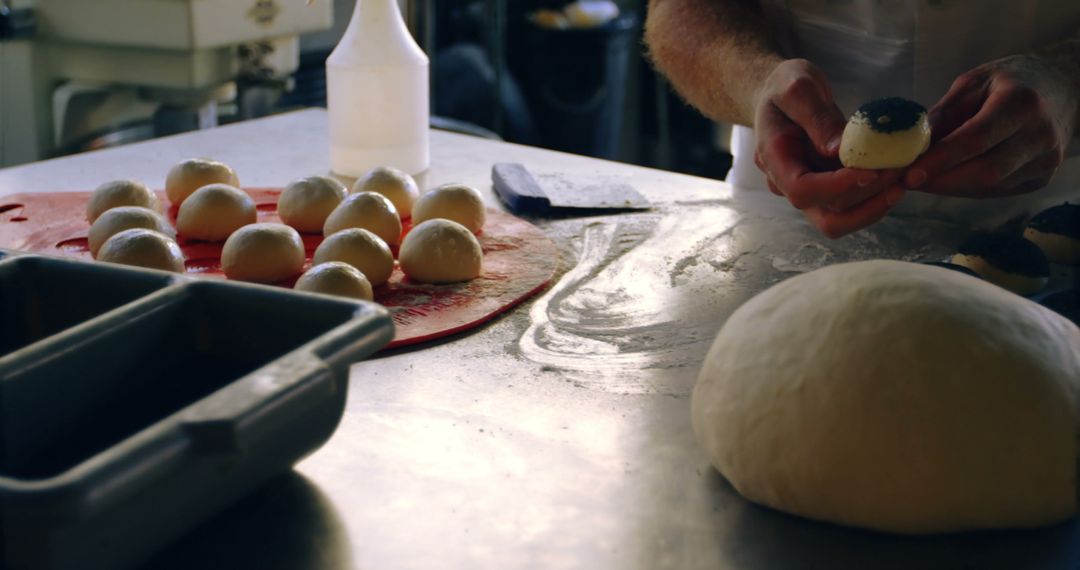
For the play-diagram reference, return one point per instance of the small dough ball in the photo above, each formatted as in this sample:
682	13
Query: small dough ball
440	251
368	210
116	220
898	397
305	203
143	248
263	253
336	278
885	133
1005	260
120	193
194	173
395	184
214	212
361	249
1057	233
457	202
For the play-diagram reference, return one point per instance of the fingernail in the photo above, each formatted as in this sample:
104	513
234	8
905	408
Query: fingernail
867	178
916	178
894	196
833	146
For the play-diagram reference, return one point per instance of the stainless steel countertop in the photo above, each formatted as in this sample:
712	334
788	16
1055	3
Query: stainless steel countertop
559	435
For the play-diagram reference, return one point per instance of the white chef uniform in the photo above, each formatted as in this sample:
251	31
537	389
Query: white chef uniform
915	49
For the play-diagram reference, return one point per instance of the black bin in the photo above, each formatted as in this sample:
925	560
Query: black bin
576	84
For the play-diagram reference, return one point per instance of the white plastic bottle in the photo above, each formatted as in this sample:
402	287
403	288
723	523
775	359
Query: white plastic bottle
377	94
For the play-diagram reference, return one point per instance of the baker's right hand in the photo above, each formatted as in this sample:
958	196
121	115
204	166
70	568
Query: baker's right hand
798	128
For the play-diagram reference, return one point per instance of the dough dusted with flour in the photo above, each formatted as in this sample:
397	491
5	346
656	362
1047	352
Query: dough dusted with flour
368	210
885	133
456	202
214	212
336	278
361	249
143	248
305	203
116	220
263	253
898	397
194	173
441	251
396	185
120	193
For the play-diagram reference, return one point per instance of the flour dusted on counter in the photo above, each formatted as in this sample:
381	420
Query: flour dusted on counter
807	257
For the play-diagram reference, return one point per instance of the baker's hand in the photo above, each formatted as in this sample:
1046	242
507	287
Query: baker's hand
1001	129
798	128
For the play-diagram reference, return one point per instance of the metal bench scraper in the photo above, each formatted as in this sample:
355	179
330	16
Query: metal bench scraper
521	192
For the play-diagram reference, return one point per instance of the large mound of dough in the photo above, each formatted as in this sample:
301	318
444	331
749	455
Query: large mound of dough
895	396
116	220
456	202
396	185
361	249
885	133
263	253
119	193
440	251
368	210
214	212
143	248
304	204
194	173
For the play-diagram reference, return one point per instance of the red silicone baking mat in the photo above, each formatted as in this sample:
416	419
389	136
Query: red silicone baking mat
519	260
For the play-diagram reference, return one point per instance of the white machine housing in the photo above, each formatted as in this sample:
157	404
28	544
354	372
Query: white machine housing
156	50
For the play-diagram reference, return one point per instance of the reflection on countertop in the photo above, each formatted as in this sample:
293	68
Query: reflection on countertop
288	523
651	290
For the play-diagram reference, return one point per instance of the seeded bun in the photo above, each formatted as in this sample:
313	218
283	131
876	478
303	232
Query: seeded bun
885	133
1006	260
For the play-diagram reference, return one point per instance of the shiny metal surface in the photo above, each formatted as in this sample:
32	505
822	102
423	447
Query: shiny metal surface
558	436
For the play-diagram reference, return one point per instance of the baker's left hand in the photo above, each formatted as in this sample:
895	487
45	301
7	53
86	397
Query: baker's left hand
1001	130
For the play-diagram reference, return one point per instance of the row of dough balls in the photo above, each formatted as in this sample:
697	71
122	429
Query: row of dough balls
380	201
210	204
135	235
441	248
127	226
183	180
212	208
264	253
439	252
258	253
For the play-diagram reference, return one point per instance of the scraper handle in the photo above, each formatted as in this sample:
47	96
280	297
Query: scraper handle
518	189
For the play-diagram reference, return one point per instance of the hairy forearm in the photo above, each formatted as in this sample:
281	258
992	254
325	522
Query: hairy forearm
717	53
1065	57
